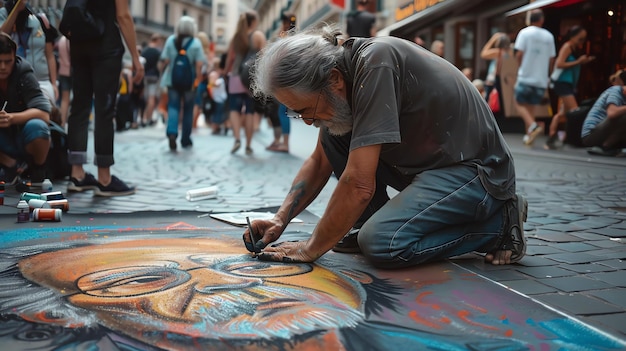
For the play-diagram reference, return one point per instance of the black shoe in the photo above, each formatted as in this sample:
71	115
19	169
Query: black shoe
116	188
172	140
36	174
88	183
349	243
551	144
11	175
236	146
600	151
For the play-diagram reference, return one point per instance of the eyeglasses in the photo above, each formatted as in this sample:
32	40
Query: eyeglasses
295	115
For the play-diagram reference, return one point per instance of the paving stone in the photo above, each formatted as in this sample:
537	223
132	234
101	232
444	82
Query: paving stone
617	278
573	247
578	304
614	296
549	235
533	261
606	244
589	236
575	258
529	287
618	252
616	321
546	272
611	232
573	284
533	250
617	264
587	268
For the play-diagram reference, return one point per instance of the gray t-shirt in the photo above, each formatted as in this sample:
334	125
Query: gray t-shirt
611	96
424	112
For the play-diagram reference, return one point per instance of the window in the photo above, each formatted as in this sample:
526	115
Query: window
221	36
221	10
166	14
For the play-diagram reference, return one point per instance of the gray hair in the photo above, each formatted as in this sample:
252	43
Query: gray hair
301	62
186	26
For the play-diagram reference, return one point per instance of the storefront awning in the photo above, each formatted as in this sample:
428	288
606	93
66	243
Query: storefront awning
533	5
424	15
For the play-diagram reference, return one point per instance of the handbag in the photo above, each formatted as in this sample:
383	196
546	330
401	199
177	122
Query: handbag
494	101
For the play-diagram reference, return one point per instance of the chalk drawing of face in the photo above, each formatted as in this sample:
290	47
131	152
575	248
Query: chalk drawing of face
164	291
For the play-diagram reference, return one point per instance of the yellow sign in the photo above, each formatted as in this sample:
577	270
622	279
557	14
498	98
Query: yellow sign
414	7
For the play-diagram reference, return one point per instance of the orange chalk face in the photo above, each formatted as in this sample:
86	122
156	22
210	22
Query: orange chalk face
197	288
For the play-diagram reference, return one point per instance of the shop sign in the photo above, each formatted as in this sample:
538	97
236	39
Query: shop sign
414	7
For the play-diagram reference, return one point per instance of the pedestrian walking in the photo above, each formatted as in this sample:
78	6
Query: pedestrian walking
565	77
152	55
96	66
535	53
361	23
183	58
247	41
455	175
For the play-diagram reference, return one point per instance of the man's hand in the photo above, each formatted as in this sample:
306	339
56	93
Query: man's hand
5	119
265	232
288	252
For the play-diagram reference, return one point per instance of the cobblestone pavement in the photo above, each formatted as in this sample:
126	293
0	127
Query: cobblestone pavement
576	259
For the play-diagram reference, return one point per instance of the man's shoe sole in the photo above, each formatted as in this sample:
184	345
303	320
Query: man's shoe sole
522	208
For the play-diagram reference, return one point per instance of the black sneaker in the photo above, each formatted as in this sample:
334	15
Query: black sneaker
349	243
36	174
88	183
11	175
116	188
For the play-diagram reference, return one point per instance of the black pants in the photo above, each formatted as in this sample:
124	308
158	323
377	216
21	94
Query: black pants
610	134
95	80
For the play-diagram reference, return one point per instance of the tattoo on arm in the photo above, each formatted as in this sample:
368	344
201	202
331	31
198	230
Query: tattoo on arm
298	192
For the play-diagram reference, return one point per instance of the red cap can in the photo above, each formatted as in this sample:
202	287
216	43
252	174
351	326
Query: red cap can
47	214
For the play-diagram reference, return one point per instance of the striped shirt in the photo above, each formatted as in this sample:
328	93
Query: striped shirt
612	96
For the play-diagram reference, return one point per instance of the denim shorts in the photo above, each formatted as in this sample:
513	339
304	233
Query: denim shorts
65	83
237	101
13	140
528	94
563	89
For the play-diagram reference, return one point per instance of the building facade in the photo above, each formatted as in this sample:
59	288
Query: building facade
466	25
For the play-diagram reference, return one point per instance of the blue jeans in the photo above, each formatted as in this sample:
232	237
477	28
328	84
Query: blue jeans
176	99
438	213
13	142
285	123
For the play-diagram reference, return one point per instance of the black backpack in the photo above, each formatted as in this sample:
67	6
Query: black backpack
57	164
79	23
182	73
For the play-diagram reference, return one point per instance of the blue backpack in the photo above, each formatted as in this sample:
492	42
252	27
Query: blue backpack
182	72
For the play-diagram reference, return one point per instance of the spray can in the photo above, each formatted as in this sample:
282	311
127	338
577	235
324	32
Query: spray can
54	195
47	214
201	193
22	212
31	196
46	185
37	203
1	192
62	204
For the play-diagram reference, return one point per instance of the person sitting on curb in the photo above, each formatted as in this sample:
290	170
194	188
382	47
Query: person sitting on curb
24	131
455	174
604	128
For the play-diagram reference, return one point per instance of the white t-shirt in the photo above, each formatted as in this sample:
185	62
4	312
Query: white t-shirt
537	44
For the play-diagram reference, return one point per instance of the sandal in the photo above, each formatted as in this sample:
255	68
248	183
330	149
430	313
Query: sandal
513	239
236	146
